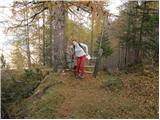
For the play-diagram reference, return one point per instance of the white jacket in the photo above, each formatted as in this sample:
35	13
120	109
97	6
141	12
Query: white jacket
79	51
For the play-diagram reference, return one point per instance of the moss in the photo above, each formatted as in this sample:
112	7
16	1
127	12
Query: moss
60	95
43	106
112	84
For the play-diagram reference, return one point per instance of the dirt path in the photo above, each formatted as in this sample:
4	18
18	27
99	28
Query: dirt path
84	99
78	94
66	97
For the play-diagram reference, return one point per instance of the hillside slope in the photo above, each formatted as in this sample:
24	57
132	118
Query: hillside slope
60	95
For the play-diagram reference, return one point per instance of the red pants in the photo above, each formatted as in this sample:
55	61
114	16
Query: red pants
80	65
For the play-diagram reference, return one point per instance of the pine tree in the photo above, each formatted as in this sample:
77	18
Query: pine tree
107	50
3	61
18	59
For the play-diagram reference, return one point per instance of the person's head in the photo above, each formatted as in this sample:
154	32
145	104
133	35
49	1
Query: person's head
74	42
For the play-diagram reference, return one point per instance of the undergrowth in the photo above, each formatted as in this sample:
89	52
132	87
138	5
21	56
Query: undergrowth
112	84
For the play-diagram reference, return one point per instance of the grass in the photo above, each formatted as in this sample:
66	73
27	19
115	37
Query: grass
131	95
113	84
113	106
17	86
43	106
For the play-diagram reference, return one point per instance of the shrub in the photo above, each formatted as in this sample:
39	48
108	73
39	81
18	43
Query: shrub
113	84
19	87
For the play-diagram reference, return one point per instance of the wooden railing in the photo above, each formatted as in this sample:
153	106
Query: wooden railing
90	66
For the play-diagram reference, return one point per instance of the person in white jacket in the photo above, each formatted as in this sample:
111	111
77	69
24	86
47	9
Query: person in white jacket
80	52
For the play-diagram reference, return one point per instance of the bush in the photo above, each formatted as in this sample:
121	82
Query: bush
31	74
113	84
134	68
19	87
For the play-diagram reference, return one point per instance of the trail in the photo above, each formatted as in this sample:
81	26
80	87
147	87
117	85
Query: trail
62	96
86	98
78	93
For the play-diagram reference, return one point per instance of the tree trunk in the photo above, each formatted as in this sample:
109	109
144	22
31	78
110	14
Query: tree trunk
59	60
141	33
66	38
44	44
92	36
50	35
39	43
27	40
128	34
135	36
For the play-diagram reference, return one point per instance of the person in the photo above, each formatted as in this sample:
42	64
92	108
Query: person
80	52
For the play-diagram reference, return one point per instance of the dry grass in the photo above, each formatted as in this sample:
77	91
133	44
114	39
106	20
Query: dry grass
63	96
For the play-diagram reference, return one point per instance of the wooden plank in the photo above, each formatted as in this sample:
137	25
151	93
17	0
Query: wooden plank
90	72
90	66
93	58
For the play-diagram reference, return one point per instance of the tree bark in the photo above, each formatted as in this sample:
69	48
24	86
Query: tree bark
39	42
141	33
59	61
128	34
66	38
44	44
50	35
92	36
27	40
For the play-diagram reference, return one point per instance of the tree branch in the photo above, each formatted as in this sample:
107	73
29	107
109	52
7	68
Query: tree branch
30	18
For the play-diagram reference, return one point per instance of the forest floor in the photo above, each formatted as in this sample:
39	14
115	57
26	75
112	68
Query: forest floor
121	95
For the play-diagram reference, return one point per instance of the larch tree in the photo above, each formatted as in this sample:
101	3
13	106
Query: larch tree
55	19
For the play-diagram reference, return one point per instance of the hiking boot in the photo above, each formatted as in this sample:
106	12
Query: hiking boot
81	76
